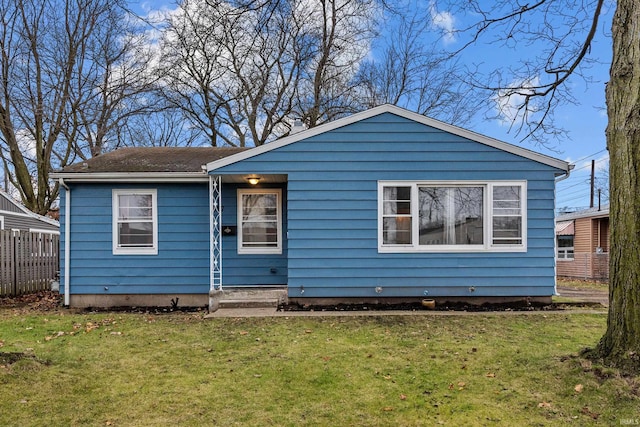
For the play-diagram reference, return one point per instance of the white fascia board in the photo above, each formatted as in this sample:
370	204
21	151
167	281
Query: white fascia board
132	177
388	108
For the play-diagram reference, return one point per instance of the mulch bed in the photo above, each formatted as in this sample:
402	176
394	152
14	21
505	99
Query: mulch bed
48	301
38	301
416	306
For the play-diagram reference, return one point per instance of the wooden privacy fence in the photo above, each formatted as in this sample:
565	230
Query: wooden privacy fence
28	261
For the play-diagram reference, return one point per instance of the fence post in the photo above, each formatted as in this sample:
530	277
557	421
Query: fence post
14	263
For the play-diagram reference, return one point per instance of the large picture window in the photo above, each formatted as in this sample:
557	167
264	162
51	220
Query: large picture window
135	222
452	216
259	221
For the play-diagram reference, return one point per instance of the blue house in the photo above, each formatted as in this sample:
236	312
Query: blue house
380	206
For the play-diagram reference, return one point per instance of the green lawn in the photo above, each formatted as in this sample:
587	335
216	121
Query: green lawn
117	369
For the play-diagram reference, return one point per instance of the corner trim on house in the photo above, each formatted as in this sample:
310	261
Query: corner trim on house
388	108
67	241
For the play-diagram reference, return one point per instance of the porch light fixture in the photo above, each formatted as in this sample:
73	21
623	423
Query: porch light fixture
253	179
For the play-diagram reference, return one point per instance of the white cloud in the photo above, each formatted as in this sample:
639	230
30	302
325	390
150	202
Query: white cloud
509	102
443	21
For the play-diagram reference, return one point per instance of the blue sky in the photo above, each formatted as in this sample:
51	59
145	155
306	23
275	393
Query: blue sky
586	121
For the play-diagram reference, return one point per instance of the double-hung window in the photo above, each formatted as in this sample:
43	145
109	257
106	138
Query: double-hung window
259	221
565	248
451	216
135	222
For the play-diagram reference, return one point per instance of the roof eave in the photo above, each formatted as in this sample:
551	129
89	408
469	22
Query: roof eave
131	176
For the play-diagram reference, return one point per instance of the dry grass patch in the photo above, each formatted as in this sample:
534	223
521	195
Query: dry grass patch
583	284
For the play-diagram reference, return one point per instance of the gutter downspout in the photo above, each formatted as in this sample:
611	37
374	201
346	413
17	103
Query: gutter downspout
555	239
67	241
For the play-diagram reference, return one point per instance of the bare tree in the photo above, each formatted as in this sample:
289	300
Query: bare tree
115	85
541	84
415	74
339	34
243	70
192	75
556	38
51	65
166	127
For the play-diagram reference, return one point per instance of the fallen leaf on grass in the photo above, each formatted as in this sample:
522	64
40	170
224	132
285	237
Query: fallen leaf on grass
243	332
307	331
1	343
544	405
578	388
387	408
403	397
490	375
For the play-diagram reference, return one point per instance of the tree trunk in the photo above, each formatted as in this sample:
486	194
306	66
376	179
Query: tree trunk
620	345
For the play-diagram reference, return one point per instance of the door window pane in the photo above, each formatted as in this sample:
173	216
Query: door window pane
260	220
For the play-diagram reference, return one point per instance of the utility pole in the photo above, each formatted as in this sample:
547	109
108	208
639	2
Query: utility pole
599	199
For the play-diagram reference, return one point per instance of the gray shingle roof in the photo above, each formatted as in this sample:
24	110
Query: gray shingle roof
585	213
153	159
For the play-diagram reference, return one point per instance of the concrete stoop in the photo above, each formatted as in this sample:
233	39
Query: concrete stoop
254	297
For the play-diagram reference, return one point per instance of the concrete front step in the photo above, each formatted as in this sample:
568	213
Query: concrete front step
248	303
252	297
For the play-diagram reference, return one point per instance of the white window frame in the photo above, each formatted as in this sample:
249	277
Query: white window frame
1	222
487	246
121	250
253	250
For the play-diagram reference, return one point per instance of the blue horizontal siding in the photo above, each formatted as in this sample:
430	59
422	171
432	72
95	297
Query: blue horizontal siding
182	262
332	212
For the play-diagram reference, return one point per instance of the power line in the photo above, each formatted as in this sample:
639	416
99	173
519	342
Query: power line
590	155
588	165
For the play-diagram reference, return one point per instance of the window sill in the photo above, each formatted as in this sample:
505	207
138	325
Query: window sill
137	251
277	251
402	250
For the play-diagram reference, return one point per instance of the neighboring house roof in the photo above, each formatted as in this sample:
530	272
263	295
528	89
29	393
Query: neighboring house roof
585	213
17	216
388	108
565	228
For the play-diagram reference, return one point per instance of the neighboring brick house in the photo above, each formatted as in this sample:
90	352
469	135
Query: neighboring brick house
583	244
